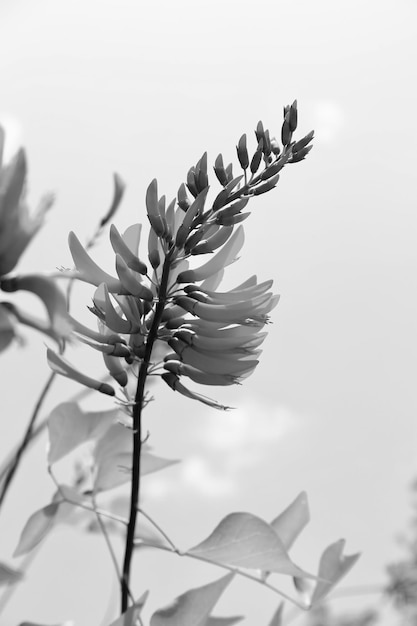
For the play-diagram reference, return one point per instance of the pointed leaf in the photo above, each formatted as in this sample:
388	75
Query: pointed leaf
69	427
244	540
129	618
291	522
193	607
8	575
333	566
277	616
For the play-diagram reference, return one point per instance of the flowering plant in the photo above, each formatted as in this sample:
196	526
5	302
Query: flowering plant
163	315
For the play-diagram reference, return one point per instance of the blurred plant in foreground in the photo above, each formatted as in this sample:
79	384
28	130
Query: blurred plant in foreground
163	316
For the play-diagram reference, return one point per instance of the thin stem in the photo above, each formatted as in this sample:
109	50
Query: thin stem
26	438
159	529
83	505
173	548
108	542
137	428
229	568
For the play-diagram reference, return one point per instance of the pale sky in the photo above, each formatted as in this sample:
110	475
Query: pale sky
144	89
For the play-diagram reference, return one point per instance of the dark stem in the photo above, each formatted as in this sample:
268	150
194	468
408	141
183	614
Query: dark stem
26	439
137	431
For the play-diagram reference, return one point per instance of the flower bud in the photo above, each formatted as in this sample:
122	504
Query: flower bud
270	184
220	171
183	201
257	157
300	155
242	153
303	142
293	116
286	131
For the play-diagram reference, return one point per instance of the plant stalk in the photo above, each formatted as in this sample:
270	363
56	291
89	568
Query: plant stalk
137	431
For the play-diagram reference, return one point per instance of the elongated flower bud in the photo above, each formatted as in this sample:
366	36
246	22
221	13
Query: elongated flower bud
257	157
152	208
88	270
270	184
183	201
195	209
174	382
242	153
220	171
298	145
300	155
60	365
120	247
130	282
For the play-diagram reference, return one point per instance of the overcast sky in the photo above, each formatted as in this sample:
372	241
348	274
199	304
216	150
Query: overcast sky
144	89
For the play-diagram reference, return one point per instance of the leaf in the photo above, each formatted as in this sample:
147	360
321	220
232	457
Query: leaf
69	427
8	575
113	458
277	616
42	521
333	566
193	607
289	524
244	540
36	528
129	618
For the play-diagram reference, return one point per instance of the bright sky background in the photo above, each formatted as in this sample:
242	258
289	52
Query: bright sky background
92	87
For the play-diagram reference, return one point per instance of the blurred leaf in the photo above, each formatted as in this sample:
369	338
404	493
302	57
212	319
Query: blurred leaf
129	618
333	566
70	427
193	607
289	524
42	521
113	451
113	458
8	575
277	616
223	621
244	540
67	623
36	528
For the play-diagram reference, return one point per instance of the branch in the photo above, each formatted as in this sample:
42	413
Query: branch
26	438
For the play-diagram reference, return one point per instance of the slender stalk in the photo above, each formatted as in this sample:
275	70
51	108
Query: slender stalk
137	429
26	438
108	542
